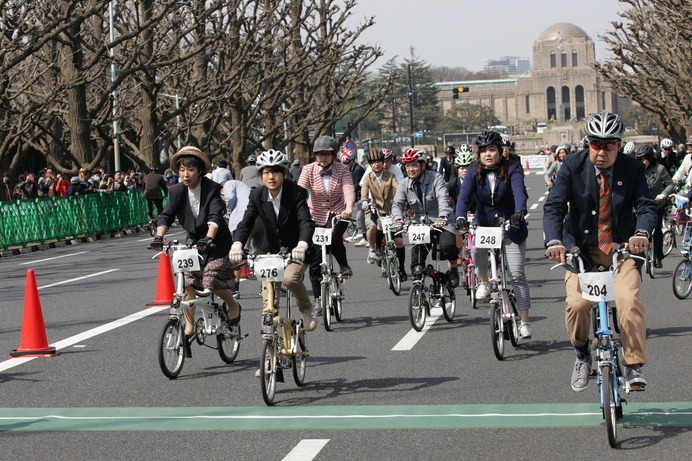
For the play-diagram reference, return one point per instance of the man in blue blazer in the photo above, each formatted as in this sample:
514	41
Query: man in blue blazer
571	218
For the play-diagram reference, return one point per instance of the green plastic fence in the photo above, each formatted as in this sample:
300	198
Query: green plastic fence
38	220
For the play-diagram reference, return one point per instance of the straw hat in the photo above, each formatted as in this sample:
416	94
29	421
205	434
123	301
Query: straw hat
195	152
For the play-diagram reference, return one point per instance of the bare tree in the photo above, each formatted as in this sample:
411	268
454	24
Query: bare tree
651	65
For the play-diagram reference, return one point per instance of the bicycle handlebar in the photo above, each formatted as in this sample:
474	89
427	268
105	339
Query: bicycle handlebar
575	254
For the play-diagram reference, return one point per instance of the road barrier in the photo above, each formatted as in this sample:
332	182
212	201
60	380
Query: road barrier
37	221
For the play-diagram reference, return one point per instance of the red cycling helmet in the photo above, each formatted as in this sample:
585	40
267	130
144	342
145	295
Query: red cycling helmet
386	153
414	155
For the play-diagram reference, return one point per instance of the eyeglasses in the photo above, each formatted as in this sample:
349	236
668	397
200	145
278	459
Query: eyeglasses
606	145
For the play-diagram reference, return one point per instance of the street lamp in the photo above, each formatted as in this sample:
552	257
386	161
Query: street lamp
114	76
177	117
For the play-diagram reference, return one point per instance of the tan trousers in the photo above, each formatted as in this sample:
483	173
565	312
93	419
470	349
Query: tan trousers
629	307
293	279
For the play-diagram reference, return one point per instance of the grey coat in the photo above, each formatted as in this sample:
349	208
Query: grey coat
659	181
435	200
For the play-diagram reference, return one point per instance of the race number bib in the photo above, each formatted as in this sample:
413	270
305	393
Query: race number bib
270	269
386	223
418	234
488	237
186	260
322	236
597	286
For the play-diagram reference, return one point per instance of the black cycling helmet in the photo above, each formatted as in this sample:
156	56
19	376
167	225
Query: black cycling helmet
645	151
489	138
450	150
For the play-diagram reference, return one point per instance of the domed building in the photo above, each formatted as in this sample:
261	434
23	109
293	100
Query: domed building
561	87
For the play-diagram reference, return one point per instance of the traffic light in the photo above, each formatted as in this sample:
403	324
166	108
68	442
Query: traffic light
461	89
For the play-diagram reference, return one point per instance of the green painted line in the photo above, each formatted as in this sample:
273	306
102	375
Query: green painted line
338	417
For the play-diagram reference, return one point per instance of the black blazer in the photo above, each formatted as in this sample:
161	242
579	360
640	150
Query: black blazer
574	199
211	209
293	225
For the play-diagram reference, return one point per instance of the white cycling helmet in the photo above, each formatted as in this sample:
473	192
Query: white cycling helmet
272	158
604	126
464	149
628	149
666	143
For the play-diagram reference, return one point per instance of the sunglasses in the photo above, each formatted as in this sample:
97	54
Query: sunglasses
607	145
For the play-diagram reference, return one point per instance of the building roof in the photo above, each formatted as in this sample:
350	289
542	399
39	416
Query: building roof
564	31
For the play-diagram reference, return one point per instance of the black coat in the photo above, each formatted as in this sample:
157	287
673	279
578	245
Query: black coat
293	225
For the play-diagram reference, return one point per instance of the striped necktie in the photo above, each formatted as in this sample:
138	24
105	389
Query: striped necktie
605	216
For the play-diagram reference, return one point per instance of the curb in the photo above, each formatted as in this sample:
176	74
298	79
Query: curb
70	241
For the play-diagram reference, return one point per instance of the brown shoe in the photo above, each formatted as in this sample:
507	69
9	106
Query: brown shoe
309	322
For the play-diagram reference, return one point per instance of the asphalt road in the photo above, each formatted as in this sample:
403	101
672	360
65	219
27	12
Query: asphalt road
444	396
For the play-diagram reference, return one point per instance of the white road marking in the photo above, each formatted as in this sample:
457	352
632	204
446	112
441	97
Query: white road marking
306	450
167	235
55	257
77	279
11	363
413	336
534	206
541	198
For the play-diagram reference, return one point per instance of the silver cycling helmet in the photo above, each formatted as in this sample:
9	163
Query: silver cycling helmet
272	158
666	143
604	126
628	149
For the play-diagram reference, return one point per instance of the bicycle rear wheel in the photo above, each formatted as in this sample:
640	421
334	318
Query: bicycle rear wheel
394	276
268	371
228	344
513	325
609	404
682	280
326	303
650	261
171	349
416	307
152	228
300	358
668	242
497	331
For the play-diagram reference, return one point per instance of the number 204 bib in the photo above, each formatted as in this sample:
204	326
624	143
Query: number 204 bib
597	286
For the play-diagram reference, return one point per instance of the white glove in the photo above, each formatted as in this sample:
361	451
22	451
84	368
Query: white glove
365	205
660	197
298	253
236	254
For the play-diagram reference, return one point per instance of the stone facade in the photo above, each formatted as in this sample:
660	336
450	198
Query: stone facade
561	87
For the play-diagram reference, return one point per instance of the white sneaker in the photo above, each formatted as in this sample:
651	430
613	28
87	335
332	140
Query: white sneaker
362	243
524	330
483	290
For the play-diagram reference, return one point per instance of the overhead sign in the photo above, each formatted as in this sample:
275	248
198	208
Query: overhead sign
349	144
418	134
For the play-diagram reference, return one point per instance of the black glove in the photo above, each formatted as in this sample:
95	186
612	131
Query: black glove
517	218
462	224
204	243
156	244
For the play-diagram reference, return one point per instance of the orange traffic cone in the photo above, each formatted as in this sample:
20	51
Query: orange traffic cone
244	272
527	164
34	342
165	288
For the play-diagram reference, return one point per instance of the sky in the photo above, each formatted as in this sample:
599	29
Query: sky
463	33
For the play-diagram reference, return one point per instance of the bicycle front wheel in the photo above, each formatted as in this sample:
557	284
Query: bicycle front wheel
394	276
609	405
513	325
268	371
337	301
650	261
497	332
326	304
300	358
682	280
668	242
228	344
171	349
473	282
416	307
449	303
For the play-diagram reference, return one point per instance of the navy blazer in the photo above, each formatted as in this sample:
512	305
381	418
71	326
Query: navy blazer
293	224
507	200
211	209
570	214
